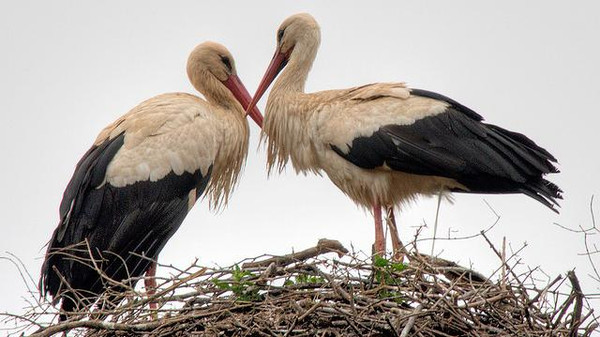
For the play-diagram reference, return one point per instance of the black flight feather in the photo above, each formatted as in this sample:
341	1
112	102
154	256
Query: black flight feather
456	144
123	227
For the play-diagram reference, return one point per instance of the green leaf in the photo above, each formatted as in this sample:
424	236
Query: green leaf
398	266
380	262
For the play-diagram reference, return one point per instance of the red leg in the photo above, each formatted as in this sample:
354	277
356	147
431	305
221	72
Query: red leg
150	284
379	246
398	248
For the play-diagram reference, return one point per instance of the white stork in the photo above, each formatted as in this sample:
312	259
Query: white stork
383	144
132	189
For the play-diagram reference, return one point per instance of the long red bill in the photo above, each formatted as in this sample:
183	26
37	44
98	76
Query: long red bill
278	62
237	88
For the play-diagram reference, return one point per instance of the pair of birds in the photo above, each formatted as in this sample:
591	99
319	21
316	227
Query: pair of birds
381	144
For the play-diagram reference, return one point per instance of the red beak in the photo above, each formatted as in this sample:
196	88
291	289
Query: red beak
237	88
277	64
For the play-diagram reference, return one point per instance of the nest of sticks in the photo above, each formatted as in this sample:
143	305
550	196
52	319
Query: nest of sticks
313	293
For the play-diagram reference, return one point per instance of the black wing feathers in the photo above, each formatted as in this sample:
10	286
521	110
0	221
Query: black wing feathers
124	227
456	144
434	95
70	230
88	174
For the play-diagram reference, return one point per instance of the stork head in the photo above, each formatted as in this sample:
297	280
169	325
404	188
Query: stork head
211	69
298	39
299	29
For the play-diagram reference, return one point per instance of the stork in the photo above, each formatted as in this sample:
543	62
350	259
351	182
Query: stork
383	144
133	188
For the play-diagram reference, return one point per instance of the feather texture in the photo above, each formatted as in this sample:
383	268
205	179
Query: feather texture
132	190
383	144
455	144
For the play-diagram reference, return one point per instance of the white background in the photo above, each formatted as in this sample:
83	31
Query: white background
68	68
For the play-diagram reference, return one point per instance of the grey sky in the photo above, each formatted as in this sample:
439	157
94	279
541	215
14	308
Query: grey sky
68	68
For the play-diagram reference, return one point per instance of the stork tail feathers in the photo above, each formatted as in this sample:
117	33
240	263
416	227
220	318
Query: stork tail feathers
545	192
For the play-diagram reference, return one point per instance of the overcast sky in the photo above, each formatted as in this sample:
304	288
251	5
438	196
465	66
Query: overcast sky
68	68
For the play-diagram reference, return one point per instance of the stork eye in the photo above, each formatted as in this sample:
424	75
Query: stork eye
280	34
226	62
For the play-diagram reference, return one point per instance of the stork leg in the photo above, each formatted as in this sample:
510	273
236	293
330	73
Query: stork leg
150	284
379	245
397	246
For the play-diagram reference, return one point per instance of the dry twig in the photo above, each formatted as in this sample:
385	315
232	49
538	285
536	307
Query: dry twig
307	294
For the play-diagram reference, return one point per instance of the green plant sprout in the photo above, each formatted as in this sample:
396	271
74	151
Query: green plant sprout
243	289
